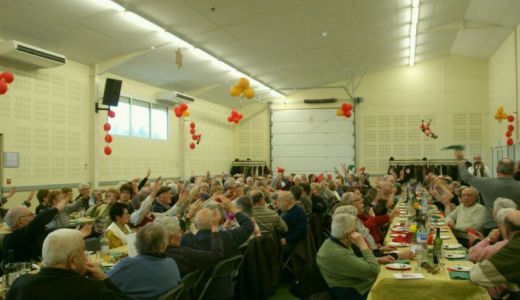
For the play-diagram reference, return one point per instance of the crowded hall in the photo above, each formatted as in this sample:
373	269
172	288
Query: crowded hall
259	149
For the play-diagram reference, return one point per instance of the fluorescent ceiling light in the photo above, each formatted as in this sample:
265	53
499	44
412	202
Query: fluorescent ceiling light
414	20
143	22
109	5
177	41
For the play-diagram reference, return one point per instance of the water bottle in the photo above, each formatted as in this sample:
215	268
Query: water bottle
422	235
105	249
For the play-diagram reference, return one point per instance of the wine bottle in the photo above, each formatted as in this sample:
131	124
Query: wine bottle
437	247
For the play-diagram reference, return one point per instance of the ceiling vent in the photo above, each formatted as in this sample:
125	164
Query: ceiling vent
172	98
30	56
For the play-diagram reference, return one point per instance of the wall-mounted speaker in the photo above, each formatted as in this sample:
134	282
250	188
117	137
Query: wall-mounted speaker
112	92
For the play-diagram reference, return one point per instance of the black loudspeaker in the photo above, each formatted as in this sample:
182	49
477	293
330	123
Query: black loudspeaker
112	92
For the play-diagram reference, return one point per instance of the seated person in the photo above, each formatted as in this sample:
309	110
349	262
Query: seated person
267	219
42	197
503	266
163	200
190	259
150	274
100	211
384	199
63	218
344	272
468	215
294	216
118	229
62	276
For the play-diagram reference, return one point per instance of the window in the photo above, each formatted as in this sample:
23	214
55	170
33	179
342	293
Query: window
121	123
139	119
159	122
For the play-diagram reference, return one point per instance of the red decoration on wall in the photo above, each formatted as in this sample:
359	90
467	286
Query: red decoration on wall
192	130
3	87
108	150
107	127
192	146
235	117
192	125
7	77
425	128
111	114
510	142
108	138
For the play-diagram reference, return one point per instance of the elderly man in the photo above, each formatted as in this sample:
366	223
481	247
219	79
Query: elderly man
267	219
63	274
504	266
190	259
468	215
294	216
348	276
478	168
84	195
25	239
163	200
150	274
491	188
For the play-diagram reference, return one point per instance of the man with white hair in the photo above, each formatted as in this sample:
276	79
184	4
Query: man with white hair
28	229
469	215
63	274
348	276
84	195
478	168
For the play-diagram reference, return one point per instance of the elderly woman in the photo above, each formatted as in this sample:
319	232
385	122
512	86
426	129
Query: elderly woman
150	274
347	275
191	259
62	219
117	231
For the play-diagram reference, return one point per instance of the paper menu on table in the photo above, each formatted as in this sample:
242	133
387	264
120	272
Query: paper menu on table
408	276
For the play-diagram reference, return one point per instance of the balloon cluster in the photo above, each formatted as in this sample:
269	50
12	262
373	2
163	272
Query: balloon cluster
425	128
345	110
194	136
181	110
280	170
5	79
510	129
235	117
500	114
106	128
242	87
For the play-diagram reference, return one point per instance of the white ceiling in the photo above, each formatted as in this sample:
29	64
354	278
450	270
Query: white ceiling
279	42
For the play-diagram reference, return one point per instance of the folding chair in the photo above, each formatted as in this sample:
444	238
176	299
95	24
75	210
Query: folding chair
225	268
172	294
190	281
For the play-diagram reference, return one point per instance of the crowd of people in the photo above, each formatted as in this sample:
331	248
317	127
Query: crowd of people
184	226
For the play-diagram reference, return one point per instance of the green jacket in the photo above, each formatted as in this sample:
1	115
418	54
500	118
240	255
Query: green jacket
340	267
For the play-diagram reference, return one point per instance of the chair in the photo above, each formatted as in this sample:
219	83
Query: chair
190	281
92	244
223	269
172	294
340	293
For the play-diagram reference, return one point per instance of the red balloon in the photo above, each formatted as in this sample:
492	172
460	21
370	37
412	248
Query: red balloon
194	137
7	77
107	127
108	138
236	121
183	107
240	116
510	127
348	114
234	113
509	133
510	142
192	125
192	146
192	131
511	118
230	119
108	150
3	87
111	113
178	112
348	106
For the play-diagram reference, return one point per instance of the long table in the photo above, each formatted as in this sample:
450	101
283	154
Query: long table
433	286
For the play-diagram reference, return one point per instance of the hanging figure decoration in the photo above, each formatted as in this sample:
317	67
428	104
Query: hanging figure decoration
425	127
178	58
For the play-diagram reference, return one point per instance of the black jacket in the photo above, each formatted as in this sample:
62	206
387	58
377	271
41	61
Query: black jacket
60	284
26	241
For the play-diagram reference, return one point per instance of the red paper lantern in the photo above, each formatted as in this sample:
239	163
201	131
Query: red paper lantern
7	77
509	133
108	138
348	114
192	130
107	127
192	125
510	127
192	146
509	142
511	118
3	87
183	106
111	113
108	150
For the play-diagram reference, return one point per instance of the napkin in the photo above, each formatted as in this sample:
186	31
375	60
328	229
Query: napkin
459	275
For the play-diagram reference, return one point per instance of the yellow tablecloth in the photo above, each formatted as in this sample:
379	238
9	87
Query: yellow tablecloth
121	250
438	286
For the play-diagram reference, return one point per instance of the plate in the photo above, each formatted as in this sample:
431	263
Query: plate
445	237
459	269
455	255
397	234
398	267
452	246
396	244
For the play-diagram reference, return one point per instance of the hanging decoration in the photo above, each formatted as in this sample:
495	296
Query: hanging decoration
181	110
6	78
194	136
425	128
235	117
500	114
178	58
345	110
106	127
510	129
280	170
242	88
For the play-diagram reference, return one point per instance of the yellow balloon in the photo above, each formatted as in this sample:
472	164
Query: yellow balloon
500	109
249	93
235	91
503	116
339	112
243	83
186	113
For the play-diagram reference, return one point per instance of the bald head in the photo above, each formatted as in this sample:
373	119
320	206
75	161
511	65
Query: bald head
203	219
512	223
505	167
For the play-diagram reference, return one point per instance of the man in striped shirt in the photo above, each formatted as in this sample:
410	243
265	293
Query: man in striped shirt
267	219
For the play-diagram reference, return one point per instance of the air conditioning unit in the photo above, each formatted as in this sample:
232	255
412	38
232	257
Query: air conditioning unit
172	98
30	56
